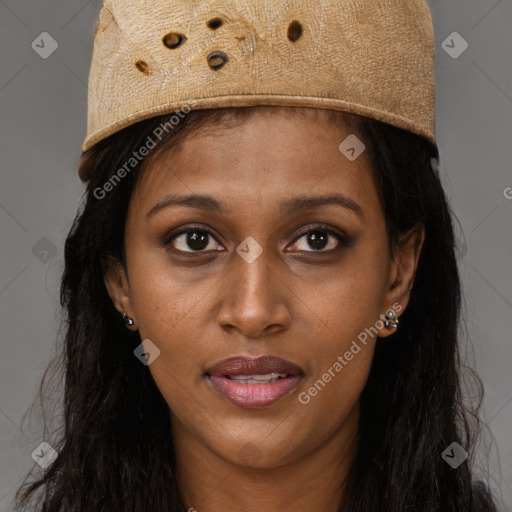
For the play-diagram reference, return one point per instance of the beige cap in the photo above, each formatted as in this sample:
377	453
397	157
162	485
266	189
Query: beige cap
152	57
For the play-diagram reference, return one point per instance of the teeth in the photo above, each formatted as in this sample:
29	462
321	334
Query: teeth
258	379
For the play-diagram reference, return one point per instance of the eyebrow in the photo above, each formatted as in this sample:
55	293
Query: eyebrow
209	204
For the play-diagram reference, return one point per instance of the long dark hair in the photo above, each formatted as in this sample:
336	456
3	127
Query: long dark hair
115	450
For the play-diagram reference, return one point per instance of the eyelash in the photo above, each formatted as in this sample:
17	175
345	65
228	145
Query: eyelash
343	239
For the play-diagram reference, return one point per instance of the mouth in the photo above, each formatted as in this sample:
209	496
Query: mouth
254	383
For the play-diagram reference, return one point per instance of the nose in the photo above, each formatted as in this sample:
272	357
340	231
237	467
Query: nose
256	300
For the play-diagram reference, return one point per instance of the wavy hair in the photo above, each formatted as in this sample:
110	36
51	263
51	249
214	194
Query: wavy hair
114	444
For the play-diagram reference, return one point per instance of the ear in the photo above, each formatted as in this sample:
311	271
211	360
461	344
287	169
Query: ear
403	270
118	289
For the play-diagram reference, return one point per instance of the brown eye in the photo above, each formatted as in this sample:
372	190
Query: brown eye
320	238
317	239
192	240
197	240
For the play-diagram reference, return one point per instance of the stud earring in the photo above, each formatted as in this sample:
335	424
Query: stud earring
128	322
391	320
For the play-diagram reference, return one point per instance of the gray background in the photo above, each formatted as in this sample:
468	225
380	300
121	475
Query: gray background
43	122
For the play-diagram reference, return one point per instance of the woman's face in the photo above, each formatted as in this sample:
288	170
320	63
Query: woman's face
287	256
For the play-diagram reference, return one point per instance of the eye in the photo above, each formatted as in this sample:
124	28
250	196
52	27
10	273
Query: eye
319	238
192	240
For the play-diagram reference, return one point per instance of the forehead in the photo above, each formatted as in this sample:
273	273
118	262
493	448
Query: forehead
267	155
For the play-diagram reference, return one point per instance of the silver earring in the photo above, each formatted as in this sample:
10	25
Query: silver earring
391	320
128	322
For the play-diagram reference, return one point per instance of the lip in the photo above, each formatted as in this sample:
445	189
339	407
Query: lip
254	395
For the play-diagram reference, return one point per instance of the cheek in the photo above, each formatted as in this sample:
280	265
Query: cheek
173	310
343	326
175	328
169	304
344	317
350	297
172	315
164	296
340	351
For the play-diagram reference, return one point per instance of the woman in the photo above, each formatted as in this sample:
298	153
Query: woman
261	288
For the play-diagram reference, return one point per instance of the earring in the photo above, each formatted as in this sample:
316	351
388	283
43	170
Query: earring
128	322
391	320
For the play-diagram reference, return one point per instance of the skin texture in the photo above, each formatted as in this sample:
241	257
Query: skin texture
294	302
